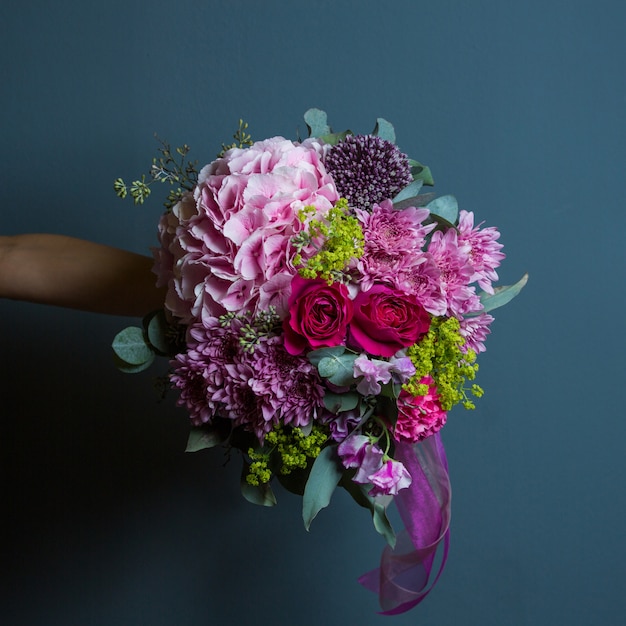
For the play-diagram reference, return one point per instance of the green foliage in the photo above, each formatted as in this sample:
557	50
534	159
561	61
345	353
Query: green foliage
342	241
384	130
440	354
205	437
445	207
241	137
334	363
421	172
132	350
170	167
502	295
323	480
317	123
260	494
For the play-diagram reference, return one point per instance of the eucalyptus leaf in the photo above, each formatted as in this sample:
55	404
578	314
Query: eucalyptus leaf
446	207
384	130
416	201
339	402
502	295
338	369
157	329
410	191
323	479
127	368
317	355
317	123
131	347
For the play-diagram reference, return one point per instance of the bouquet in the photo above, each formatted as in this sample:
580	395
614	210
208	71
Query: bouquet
323	316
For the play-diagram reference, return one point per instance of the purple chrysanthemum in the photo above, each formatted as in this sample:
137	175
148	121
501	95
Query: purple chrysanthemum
367	170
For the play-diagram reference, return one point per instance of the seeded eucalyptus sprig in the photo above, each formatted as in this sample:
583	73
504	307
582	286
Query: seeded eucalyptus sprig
241	137
170	167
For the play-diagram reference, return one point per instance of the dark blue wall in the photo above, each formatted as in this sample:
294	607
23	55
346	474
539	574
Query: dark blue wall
519	109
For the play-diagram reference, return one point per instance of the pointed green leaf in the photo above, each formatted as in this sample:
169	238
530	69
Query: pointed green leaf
204	437
446	207
382	524
334	138
323	480
410	191
421	172
417	201
384	130
502	295
131	347
317	123
338	402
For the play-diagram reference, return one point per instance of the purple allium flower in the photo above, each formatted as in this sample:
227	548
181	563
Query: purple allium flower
367	169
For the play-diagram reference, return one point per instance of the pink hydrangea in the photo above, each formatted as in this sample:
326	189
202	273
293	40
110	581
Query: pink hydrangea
228	247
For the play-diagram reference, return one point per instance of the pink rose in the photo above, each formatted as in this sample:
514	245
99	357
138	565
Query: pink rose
319	315
386	320
419	416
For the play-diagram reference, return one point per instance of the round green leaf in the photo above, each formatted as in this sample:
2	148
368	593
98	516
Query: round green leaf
131	347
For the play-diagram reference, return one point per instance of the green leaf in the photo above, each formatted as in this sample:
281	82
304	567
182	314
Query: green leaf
502	295
323	480
382	524
316	121
338	402
131	347
421	172
417	201
157	329
410	191
127	368
446	207
378	510
260	494
317	355
204	437
338	369
384	130
334	138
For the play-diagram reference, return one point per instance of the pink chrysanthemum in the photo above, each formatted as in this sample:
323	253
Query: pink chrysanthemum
419	416
475	330
452	258
484	251
393	241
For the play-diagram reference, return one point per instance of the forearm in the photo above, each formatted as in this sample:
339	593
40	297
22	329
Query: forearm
78	274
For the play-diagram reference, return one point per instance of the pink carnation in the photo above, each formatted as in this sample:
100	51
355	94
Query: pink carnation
419	416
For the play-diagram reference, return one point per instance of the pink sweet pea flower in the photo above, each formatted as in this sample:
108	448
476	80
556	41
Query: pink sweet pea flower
389	479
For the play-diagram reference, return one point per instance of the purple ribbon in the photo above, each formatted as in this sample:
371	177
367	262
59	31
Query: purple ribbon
401	581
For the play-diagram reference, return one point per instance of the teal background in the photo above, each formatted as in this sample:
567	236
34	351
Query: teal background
518	108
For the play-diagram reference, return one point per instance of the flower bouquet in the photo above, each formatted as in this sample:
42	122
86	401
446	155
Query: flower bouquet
323	316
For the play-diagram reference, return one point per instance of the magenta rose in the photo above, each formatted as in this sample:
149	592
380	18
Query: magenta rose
318	316
386	320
